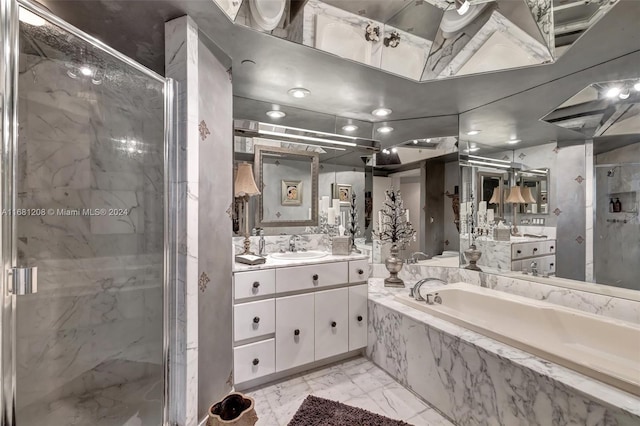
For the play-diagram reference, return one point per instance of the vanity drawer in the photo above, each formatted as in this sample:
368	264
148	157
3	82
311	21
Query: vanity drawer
358	317
548	247
524	250
358	271
311	276
254	360
254	283
254	319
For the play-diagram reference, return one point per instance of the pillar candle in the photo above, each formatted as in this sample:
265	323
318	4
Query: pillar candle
379	220
331	216
309	213
482	206
407	215
325	203
336	204
490	215
342	218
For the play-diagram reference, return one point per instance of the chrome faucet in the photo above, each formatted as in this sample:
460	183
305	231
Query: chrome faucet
292	243
415	290
534	268
419	253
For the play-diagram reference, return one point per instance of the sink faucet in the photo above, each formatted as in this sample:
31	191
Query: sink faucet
534	268
419	253
415	291
292	243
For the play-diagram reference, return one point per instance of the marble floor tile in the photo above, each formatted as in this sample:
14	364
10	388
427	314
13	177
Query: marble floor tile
356	382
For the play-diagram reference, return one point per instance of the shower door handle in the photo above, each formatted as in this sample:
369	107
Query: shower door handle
23	280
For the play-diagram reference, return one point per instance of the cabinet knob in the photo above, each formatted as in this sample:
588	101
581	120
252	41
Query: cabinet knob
552	247
359	318
296	332
535	249
551	264
315	277
519	251
333	324
256	284
360	272
256	361
256	320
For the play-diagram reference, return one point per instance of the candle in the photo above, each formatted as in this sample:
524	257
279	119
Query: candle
407	215
342	218
325	203
336	204
490	215
309	213
482	206
331	216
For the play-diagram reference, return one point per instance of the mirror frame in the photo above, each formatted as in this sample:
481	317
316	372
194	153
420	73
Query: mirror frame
258	160
521	182
480	175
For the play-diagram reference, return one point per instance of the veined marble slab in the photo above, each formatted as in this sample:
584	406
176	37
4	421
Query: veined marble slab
279	263
475	380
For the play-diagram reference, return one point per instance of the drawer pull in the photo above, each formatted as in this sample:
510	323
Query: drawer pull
359	318
256	320
552	247
296	332
519	251
315	277
360	272
256	361
535	250
333	324
551	264
256	284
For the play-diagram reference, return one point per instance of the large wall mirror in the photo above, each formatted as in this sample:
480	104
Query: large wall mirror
569	210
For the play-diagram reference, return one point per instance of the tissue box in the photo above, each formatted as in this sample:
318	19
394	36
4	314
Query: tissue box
341	246
502	234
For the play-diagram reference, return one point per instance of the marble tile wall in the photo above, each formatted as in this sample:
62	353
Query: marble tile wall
475	380
97	318
275	243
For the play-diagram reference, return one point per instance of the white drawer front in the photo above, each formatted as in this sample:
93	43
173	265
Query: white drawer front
254	360
357	317
332	324
358	271
254	319
294	331
311	276
254	283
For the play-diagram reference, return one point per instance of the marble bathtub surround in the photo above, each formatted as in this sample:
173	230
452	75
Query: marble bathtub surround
611	306
475	380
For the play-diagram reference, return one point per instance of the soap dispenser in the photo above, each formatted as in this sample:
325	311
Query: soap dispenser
261	244
611	205
617	206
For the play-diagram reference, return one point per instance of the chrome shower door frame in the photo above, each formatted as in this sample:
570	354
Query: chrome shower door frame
9	54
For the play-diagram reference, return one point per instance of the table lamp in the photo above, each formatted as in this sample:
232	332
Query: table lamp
515	197
245	187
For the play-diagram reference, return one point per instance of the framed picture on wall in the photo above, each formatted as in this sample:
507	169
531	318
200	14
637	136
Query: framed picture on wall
342	192
291	192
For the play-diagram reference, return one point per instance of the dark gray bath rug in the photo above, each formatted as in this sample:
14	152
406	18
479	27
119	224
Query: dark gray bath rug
316	411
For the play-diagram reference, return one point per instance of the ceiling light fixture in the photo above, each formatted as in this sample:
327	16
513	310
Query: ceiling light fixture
350	128
428	140
514	141
473	132
86	71
28	17
637	86
472	149
381	112
385	129
624	93
385	151
613	92
394	149
276	114
462	6
415	141
299	92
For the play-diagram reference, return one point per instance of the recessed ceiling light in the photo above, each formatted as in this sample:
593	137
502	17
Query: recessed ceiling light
350	128
415	141
428	140
637	87
30	18
624	93
381	112
385	129
299	92
513	141
86	71
385	151
394	149
276	114
613	92
473	132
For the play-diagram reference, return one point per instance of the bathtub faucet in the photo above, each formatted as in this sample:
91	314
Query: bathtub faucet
415	291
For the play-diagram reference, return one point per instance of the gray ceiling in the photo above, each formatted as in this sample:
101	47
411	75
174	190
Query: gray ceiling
500	103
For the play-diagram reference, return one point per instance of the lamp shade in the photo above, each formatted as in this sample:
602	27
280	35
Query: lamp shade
245	185
528	197
515	196
496	197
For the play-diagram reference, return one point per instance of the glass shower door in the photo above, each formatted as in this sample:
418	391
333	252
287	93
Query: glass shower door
87	210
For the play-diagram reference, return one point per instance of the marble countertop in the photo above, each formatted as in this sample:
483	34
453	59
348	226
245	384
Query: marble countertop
285	263
446	262
596	390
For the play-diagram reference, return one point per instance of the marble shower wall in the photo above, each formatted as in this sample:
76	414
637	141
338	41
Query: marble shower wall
96	320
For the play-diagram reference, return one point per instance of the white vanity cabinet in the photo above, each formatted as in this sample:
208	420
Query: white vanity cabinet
542	253
291	316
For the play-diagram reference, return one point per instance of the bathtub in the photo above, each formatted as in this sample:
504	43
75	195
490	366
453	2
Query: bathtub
599	347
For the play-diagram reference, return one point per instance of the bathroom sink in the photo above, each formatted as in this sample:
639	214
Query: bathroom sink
299	255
